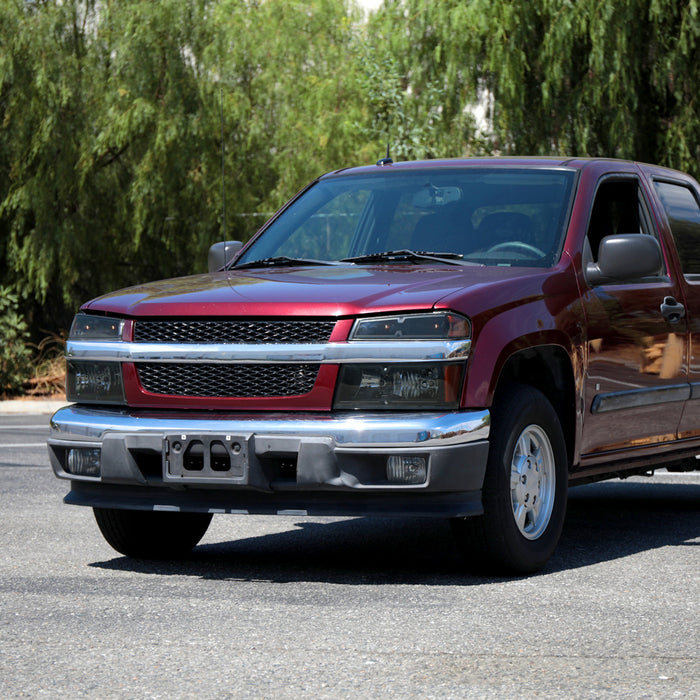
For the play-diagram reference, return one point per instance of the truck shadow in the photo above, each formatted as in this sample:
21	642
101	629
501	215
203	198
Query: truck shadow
605	522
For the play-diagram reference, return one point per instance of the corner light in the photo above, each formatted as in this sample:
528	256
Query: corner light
91	327
429	326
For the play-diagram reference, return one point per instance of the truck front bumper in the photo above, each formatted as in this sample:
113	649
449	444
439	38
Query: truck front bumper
317	464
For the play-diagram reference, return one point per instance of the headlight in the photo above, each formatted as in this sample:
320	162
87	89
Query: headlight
397	384
94	382
91	380
401	386
432	326
88	327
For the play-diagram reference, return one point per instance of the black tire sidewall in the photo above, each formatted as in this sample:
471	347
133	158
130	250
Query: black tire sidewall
517	408
151	534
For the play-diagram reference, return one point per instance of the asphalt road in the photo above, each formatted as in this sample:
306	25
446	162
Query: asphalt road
289	607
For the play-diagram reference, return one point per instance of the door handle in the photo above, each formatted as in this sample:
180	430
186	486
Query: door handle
672	310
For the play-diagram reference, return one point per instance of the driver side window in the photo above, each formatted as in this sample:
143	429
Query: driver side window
618	208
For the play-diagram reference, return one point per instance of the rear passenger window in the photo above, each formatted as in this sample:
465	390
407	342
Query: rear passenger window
683	214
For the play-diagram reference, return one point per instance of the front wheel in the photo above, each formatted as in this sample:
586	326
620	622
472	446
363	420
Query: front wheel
147	534
525	487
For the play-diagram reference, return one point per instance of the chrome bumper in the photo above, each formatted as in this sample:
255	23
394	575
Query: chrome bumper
312	463
356	430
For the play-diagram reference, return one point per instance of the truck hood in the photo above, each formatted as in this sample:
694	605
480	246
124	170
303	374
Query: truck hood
331	291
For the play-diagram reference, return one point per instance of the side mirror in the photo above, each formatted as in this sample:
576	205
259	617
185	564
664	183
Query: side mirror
222	253
624	257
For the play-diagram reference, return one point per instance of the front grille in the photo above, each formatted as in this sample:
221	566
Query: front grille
224	331
226	380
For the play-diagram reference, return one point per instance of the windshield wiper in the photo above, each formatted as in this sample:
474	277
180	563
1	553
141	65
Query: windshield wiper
282	261
387	256
410	255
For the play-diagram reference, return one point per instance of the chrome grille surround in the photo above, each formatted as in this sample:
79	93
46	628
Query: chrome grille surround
258	369
233	331
227	380
274	353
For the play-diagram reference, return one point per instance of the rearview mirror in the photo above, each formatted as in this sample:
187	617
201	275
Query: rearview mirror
222	253
431	197
625	257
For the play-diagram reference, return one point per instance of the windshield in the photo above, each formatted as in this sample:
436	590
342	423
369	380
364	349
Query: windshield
486	216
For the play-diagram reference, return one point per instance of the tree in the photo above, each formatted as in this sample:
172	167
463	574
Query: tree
44	96
418	85
113	114
592	77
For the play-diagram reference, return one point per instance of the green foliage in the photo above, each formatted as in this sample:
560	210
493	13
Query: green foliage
416	91
395	117
111	113
593	77
112	125
14	352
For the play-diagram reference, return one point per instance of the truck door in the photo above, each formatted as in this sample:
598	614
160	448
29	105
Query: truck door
636	382
680	204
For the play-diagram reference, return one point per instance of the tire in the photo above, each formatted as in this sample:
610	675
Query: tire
525	487
147	534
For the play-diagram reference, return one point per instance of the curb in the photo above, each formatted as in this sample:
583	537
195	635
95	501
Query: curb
15	406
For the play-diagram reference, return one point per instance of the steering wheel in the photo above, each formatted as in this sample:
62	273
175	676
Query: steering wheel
518	247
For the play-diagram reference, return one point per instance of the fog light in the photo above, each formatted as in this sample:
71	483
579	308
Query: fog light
83	461
406	470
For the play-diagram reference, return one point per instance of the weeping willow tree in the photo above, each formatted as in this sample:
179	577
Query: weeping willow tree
112	112
590	77
113	117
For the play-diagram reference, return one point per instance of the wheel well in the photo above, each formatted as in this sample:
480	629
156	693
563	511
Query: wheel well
548	369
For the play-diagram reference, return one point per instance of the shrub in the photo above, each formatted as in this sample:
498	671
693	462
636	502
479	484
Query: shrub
49	366
15	354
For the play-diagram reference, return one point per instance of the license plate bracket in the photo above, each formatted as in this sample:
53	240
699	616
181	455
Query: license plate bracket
209	458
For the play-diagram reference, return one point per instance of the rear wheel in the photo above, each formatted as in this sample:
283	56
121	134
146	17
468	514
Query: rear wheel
525	487
147	534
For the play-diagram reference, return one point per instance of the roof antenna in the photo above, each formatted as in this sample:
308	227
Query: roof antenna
223	172
387	160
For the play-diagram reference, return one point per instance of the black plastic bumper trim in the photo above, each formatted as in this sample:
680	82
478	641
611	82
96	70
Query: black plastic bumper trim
419	504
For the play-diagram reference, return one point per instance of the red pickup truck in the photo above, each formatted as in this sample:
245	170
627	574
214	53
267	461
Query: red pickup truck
458	338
